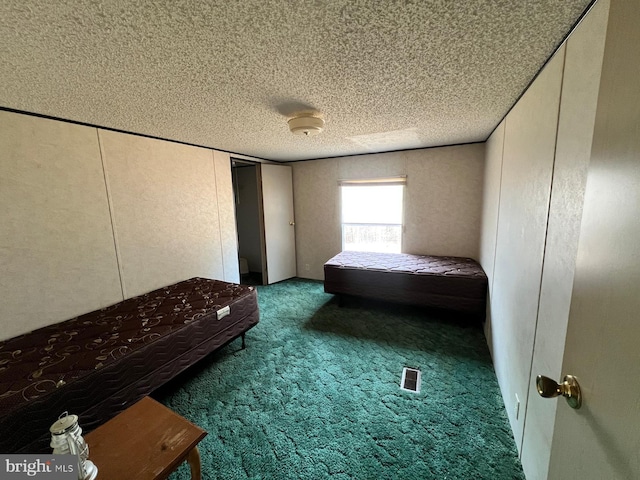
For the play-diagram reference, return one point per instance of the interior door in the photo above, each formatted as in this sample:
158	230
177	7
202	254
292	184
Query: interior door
279	230
602	439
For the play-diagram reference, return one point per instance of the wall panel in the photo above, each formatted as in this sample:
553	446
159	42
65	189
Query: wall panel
227	217
443	205
529	149
165	211
57	252
490	209
317	213
372	166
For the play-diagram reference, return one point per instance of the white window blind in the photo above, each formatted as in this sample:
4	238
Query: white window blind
367	182
372	213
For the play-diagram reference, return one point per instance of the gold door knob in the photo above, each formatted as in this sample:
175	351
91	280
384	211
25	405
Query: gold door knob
292	223
569	389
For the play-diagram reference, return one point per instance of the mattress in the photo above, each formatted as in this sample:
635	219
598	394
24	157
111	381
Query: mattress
452	283
96	364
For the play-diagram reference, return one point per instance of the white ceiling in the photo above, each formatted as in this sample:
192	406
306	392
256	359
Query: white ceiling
385	75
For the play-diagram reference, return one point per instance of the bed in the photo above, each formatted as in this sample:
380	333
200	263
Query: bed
97	364
451	283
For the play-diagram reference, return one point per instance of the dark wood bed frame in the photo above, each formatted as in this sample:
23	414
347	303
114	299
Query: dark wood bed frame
152	338
451	283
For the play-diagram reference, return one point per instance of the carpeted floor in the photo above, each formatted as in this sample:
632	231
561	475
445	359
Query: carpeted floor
316	395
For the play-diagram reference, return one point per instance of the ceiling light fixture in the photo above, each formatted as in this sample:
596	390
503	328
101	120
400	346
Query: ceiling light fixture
307	125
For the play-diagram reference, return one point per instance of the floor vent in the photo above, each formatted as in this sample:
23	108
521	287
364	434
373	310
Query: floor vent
410	379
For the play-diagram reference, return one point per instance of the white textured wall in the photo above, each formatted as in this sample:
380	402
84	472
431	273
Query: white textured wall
66	189
316	205
529	148
57	254
165	211
443	201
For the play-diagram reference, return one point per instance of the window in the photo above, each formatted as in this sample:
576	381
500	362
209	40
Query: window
372	214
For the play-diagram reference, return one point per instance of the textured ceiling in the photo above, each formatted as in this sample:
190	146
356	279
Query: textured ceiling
385	75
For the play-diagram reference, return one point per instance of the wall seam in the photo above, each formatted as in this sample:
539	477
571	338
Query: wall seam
495	246
215	184
405	197
111	214
544	250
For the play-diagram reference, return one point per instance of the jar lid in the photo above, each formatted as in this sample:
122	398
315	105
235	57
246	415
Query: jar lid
64	424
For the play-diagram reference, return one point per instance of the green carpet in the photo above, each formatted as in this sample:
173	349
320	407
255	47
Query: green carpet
316	395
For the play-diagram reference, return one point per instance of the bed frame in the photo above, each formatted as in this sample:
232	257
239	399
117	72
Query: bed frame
98	364
451	283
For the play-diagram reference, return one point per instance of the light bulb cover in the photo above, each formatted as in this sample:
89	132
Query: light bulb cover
306	125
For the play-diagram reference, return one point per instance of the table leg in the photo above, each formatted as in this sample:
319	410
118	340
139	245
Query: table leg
194	463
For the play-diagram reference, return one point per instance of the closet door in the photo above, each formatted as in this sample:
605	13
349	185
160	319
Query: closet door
279	225
529	148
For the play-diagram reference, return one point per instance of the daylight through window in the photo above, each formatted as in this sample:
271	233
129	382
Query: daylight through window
372	215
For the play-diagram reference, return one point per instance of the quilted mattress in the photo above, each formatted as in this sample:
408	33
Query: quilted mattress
96	364
452	283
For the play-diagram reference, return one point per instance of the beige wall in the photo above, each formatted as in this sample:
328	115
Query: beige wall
57	254
316	208
443	206
91	217
165	211
529	147
442	201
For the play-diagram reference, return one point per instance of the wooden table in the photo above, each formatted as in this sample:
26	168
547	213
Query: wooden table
146	441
